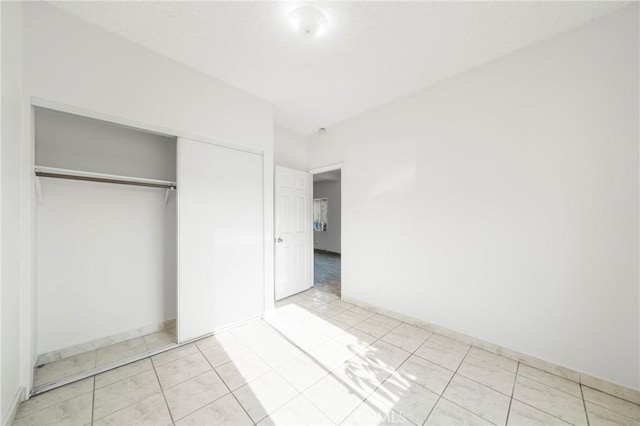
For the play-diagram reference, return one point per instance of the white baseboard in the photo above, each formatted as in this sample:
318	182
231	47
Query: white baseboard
237	324
13	410
603	385
104	341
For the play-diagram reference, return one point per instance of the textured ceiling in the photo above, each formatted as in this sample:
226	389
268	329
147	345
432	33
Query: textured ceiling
372	53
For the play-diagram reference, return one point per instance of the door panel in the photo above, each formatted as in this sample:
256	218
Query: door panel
220	237
293	232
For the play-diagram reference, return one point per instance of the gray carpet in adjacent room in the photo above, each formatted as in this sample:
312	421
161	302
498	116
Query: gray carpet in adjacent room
326	271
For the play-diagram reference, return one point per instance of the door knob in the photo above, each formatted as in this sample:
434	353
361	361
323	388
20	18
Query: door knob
279	240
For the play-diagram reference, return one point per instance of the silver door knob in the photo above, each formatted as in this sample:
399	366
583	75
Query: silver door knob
279	240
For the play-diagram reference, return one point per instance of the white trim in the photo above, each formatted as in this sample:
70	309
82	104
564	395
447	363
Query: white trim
29	274
70	351
268	226
311	257
148	127
230	326
13	409
329	168
177	240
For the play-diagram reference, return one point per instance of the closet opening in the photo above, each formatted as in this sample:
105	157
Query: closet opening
106	244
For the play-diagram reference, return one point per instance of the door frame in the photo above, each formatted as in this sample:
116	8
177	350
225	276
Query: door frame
313	172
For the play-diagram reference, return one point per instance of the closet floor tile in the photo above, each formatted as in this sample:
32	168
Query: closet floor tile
189	396
182	369
74	411
85	361
55	397
126	392
225	411
65	367
120	351
161	338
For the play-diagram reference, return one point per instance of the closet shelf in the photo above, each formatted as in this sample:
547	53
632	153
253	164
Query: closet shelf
54	172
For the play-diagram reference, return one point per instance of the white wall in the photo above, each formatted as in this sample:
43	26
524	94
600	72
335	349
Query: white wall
329	240
101	257
76	63
10	294
78	143
71	62
290	149
506	201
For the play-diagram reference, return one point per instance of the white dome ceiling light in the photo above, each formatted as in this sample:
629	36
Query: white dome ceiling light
309	21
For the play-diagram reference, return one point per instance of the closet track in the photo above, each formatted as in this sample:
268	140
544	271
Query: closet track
37	390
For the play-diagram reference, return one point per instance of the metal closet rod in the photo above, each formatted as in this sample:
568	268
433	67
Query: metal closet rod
57	175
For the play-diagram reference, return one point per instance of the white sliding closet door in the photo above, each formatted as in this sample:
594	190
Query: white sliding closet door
220	237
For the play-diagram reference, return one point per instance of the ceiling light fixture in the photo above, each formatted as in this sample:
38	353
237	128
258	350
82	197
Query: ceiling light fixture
308	21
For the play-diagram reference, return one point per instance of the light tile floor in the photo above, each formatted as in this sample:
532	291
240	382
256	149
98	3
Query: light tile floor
320	361
86	361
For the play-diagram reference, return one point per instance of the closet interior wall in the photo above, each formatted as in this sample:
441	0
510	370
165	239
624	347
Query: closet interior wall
106	253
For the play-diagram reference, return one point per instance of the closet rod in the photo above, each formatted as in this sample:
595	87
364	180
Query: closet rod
104	179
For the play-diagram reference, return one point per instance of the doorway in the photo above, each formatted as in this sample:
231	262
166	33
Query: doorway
327	228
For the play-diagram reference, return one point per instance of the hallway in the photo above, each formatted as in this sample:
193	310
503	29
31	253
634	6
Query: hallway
327	272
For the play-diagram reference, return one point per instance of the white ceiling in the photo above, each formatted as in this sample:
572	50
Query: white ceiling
372	53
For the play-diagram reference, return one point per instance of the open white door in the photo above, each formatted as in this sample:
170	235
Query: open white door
293	228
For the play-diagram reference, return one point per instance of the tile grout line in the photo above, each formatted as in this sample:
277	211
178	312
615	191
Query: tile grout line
403	362
412	353
330	372
489	362
445	388
183	357
513	389
313	359
123	379
271	370
225	385
93	399
379	339
467	352
605	407
201	374
584	405
164	397
199	408
550	386
540	409
127	406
